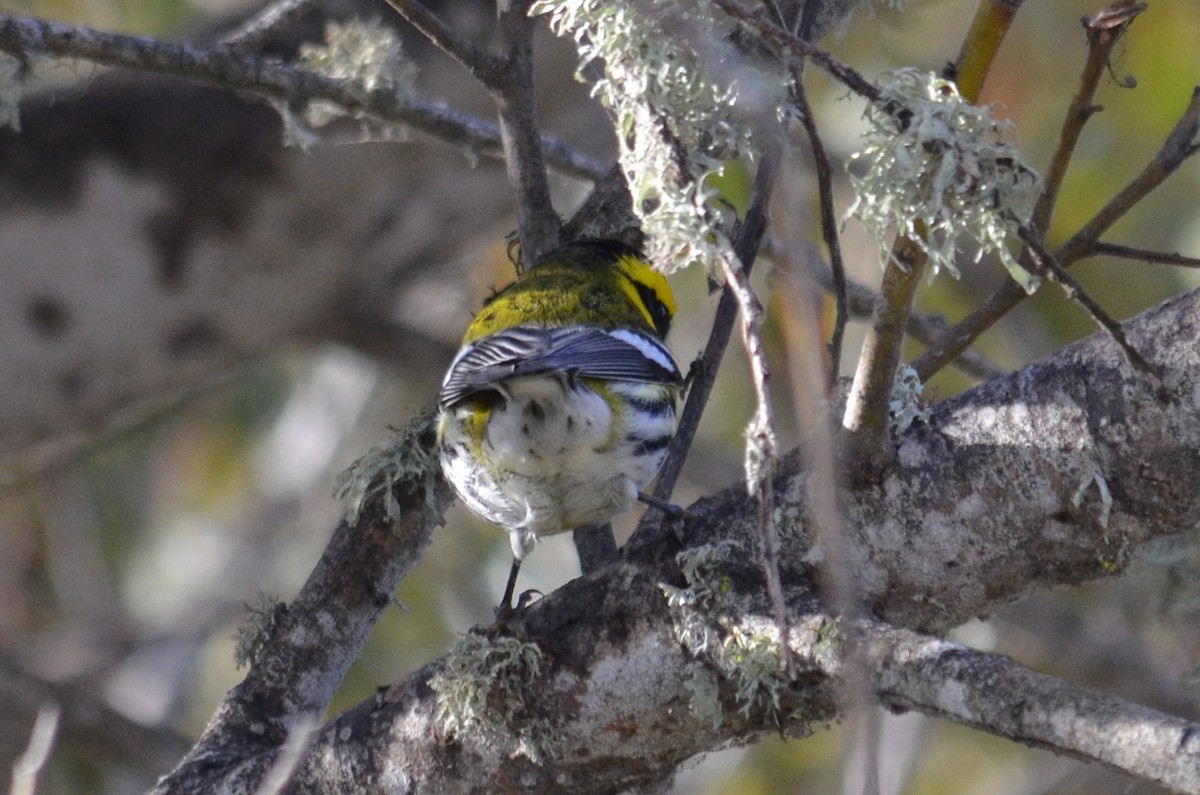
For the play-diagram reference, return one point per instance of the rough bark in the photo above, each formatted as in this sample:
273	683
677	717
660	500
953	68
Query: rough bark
997	495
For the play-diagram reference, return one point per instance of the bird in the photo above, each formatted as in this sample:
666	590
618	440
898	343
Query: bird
561	403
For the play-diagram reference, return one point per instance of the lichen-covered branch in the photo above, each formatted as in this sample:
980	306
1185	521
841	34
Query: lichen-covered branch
397	498
997	695
272	78
949	178
983	505
1179	146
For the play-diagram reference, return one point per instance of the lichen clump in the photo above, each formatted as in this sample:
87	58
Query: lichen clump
680	95
748	660
406	462
940	172
483	695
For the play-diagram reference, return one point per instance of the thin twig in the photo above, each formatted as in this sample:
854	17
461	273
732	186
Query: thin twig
270	77
29	764
1144	254
1180	145
252	33
483	66
798	47
1058	274
761	442
829	224
704	370
509	78
1101	39
516	105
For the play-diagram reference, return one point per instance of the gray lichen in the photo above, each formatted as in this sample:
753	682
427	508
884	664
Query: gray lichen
408	461
484	691
749	661
940	171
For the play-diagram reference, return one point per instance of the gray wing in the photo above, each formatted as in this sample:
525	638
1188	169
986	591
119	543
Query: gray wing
576	350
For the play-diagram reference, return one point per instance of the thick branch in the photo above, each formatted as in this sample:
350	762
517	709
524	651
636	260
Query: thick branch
980	507
316	638
996	695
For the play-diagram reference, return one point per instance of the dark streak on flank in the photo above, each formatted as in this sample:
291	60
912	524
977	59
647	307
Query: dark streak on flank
648	446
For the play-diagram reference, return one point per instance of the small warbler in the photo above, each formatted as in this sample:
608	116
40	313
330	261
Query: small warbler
560	405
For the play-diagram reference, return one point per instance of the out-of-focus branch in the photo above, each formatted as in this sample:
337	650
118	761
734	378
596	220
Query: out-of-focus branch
29	764
797	47
270	77
88	722
254	31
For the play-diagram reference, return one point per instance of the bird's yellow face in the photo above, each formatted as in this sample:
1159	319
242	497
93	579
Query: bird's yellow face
648	289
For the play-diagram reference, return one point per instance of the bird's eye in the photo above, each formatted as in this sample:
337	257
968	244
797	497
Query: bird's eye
659	313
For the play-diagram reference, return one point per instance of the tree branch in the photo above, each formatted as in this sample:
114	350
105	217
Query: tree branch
860	302
314	640
1102	37
483	67
796	47
1180	145
1143	254
867	408
829	224
509	78
516	104
996	695
256	30
615	687
87	721
270	77
704	371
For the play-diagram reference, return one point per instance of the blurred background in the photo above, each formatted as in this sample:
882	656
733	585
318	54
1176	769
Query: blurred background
134	535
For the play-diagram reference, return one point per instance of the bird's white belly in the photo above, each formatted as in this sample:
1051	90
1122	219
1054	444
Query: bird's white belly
558	457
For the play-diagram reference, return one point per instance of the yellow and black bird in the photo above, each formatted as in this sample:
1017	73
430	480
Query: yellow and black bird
560	405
